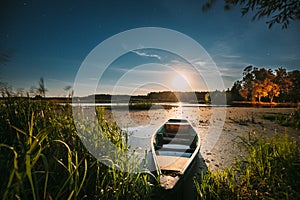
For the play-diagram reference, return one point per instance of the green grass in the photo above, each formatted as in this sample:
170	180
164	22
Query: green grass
142	105
291	120
270	171
42	156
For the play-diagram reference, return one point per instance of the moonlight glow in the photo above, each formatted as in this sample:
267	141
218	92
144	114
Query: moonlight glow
180	82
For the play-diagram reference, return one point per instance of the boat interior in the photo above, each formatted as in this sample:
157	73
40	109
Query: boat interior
175	143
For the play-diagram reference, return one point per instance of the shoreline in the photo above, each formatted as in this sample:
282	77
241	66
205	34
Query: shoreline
145	104
238	124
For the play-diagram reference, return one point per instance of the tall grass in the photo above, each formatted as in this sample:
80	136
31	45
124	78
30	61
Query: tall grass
291	120
270	171
42	156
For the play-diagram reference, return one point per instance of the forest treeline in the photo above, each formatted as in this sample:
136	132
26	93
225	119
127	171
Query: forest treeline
258	85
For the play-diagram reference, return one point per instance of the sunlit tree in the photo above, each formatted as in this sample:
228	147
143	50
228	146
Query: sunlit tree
258	83
259	90
273	90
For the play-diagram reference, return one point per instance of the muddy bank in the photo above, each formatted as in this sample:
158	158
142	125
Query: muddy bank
223	130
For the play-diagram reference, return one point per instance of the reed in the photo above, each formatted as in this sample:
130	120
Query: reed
270	171
42	156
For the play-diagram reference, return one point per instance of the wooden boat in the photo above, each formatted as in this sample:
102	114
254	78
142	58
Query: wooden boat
174	147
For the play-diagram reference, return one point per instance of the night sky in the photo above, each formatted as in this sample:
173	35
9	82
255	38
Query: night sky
51	39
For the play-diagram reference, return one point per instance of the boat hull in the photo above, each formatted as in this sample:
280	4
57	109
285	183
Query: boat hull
174	147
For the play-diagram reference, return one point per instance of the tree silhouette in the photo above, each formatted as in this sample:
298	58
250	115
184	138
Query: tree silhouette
276	11
247	82
236	91
294	91
284	82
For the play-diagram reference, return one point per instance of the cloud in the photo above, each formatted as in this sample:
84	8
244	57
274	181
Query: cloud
147	54
145	69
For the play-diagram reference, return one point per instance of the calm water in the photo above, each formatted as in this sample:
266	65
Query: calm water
158	104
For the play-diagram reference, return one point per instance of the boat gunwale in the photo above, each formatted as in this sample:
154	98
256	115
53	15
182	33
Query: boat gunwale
190	159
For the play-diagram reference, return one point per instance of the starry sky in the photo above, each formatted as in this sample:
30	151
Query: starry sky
51	39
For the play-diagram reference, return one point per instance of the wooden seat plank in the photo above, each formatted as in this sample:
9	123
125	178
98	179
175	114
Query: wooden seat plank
172	162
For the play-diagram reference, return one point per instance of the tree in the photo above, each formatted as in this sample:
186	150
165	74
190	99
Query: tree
259	91
258	83
276	11
294	92
207	98
244	93
236	91
273	90
247	82
265	88
262	73
284	82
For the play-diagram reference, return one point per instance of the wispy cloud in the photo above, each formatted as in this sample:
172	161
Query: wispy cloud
144	54
154	69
